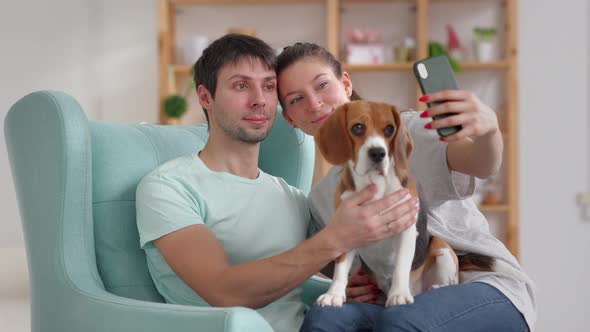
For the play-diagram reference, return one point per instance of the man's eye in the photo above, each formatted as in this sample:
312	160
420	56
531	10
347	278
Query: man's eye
358	129
240	86
389	131
270	87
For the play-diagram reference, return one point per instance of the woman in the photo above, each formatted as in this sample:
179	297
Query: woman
311	85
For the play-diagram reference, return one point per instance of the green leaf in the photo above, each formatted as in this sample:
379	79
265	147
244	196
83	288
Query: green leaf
435	49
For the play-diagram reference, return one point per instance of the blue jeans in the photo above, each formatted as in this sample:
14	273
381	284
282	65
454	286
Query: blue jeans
467	307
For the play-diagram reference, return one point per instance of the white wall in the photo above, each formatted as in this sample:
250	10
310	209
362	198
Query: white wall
554	146
40	50
102	52
105	54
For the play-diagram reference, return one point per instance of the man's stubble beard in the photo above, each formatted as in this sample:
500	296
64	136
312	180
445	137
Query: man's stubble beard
241	134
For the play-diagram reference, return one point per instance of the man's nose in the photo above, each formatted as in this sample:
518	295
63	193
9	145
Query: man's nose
258	98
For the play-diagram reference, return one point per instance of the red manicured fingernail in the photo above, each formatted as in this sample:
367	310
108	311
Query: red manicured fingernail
423	98
428	126
442	139
424	114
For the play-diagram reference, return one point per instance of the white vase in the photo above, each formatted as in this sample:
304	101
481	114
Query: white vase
484	51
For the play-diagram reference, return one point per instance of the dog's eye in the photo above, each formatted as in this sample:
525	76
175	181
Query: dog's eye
358	129
389	131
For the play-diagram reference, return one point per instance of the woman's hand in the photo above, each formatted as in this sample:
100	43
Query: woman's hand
477	148
476	118
361	288
358	223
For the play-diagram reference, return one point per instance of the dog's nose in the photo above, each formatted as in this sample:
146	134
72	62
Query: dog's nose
376	154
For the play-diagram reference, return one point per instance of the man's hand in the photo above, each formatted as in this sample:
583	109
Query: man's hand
359	222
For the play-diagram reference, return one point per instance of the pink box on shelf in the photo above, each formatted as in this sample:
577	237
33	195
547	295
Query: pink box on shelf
370	53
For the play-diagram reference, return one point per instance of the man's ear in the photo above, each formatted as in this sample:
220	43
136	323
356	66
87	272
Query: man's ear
347	82
288	118
333	139
205	98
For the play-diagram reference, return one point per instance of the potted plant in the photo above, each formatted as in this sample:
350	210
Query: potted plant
174	107
436	48
484	43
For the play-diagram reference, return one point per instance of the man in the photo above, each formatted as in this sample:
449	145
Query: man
217	230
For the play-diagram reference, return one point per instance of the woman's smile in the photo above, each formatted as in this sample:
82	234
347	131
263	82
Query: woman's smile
323	117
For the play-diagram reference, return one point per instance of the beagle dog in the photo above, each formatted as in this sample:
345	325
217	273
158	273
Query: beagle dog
372	144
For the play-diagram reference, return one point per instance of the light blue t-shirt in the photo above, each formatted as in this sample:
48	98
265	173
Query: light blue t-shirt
253	219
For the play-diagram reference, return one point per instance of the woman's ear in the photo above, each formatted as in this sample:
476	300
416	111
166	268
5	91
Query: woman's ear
288	118
205	98
347	82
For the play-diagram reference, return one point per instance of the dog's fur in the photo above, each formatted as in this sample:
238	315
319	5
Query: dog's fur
405	264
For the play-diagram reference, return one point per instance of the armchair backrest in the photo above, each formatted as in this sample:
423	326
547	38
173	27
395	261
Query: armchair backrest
76	182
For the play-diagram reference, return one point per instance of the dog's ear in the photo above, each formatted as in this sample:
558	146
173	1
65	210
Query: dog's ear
402	146
333	139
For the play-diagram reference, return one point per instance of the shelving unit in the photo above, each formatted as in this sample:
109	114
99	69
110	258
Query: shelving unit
421	9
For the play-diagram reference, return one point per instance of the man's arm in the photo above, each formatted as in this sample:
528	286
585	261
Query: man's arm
199	259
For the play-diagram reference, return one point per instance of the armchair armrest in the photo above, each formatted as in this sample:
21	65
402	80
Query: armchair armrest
107	312
125	314
313	288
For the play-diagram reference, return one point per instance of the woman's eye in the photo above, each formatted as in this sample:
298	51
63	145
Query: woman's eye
358	129
389	131
323	85
295	100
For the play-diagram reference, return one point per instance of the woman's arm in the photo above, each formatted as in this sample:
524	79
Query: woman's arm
477	148
199	259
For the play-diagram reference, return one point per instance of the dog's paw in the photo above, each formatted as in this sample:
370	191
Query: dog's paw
399	298
448	282
331	300
441	285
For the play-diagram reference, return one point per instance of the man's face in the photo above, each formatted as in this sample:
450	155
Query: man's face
245	102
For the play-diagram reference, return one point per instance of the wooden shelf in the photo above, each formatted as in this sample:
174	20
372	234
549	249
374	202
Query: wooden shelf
241	2
333	14
376	1
502	65
182	69
400	66
470	1
382	67
403	66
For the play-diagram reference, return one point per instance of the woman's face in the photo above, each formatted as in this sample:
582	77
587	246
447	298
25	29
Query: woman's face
311	92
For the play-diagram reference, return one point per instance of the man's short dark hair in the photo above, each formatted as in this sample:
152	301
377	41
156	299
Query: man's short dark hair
229	49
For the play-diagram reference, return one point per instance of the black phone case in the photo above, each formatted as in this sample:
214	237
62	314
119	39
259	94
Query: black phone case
440	77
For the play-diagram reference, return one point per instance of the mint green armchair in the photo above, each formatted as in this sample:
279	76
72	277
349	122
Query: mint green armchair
75	181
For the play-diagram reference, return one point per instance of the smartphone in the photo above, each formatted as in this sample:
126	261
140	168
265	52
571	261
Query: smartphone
435	74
